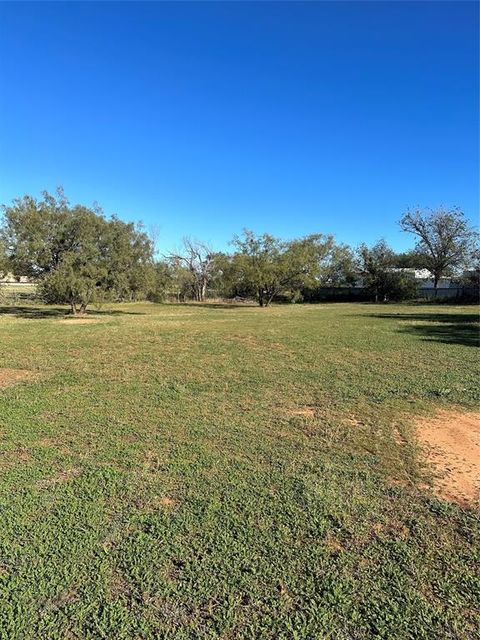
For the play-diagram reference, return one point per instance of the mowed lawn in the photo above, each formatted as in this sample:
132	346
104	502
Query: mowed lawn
182	471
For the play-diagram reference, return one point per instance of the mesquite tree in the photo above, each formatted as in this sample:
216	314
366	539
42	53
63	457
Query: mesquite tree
445	241
267	266
75	253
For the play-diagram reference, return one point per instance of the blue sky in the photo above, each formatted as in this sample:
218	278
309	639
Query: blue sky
203	118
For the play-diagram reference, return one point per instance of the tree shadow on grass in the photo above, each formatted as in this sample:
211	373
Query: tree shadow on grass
448	328
215	305
37	313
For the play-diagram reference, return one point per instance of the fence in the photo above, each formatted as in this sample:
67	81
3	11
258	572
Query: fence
461	293
360	294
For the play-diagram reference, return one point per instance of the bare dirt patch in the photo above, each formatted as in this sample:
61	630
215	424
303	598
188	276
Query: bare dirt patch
151	463
451	441
119	587
333	544
74	321
166	501
52	443
62	600
10	377
353	421
253	342
63	476
305	412
246	340
10	459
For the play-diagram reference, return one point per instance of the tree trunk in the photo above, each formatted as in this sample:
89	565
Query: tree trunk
197	292
73	308
203	290
269	299
436	278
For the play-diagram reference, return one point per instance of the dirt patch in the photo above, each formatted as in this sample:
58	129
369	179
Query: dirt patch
353	421
246	340
52	443
166	501
305	412
152	462
451	441
63	476
396	530
333	544
119	587
10	377
74	321
62	600
10	459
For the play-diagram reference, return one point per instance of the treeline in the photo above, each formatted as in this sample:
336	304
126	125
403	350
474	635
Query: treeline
78	256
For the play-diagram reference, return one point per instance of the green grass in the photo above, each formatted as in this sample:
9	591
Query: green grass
158	479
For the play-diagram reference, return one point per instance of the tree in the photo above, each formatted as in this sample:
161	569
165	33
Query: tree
164	282
75	253
198	259
267	266
3	259
471	276
409	260
339	267
229	277
380	277
444	239
131	271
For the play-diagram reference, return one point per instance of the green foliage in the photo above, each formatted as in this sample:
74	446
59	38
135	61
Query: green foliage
398	286
268	267
445	240
409	260
209	473
76	254
164	282
130	262
3	258
338	267
380	277
471	276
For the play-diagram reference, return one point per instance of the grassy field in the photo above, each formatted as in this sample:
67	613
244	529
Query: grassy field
233	472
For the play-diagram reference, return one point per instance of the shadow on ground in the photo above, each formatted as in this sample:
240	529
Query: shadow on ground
449	328
215	305
58	312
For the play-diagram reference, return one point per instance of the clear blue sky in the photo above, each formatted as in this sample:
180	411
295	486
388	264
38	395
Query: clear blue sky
203	118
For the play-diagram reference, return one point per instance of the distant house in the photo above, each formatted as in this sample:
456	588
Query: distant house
424	278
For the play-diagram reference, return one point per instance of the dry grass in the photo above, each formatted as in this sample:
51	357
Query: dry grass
10	377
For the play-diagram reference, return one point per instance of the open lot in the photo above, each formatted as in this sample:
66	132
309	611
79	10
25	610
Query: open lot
233	472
